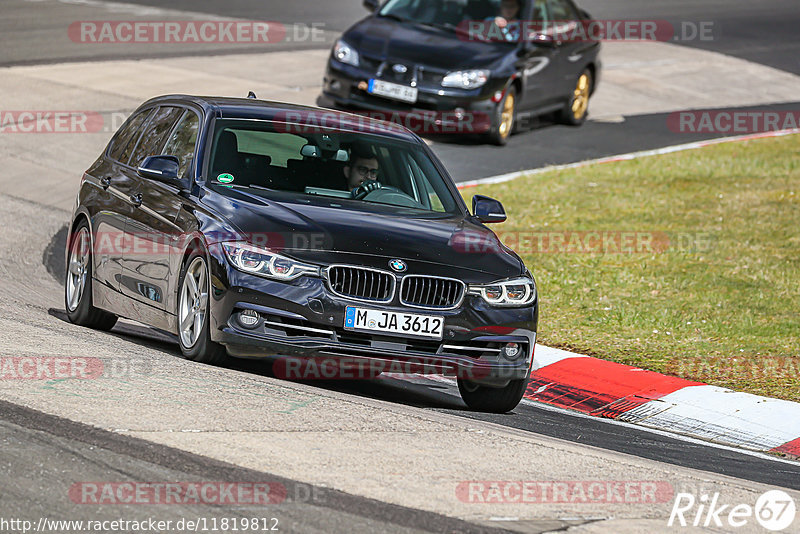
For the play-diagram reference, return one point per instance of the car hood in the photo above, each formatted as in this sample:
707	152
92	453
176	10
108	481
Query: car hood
323	231
382	39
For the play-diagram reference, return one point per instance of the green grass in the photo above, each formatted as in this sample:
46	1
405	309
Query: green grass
720	303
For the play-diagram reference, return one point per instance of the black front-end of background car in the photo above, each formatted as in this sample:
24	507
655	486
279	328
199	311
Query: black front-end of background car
248	229
446	57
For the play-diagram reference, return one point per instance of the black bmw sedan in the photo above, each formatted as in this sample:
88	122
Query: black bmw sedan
483	65
254	229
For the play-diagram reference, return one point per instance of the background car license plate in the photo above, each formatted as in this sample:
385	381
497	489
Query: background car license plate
393	90
429	326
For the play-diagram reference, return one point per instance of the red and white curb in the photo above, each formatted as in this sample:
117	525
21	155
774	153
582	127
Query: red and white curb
606	389
620	392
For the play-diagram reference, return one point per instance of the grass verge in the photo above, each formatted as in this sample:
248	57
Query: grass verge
687	264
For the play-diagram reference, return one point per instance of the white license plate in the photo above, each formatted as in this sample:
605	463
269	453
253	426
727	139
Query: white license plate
407	324
395	91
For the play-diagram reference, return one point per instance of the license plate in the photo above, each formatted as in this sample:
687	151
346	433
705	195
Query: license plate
395	91
407	324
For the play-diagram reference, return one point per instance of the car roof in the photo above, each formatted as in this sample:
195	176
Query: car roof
308	116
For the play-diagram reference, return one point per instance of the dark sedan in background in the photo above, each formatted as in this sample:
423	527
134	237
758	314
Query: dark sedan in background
252	229
467	60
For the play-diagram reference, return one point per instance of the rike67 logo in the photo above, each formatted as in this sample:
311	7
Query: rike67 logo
775	510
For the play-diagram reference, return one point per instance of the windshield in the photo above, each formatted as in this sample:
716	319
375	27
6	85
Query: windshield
357	168
447	13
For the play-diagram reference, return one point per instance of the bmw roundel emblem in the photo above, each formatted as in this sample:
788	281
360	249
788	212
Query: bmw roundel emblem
398	265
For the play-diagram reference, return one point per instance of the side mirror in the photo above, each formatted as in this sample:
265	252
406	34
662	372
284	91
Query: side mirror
372	5
488	210
163	169
541	39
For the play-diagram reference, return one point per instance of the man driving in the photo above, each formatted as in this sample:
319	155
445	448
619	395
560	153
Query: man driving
362	173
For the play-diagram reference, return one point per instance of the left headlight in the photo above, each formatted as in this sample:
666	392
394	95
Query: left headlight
345	53
466	79
262	262
510	293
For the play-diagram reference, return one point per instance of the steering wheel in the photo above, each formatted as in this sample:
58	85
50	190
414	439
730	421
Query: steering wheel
392	195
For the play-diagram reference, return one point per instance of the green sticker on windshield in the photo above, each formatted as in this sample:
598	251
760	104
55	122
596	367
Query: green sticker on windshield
225	178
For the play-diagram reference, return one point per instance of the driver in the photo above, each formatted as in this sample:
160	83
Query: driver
508	20
362	173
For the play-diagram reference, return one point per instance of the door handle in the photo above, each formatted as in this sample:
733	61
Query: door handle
105	183
136	199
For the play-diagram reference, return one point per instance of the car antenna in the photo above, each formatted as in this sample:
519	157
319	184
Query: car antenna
251	94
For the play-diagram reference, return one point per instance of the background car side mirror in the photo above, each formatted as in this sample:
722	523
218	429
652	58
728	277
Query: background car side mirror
372	5
488	210
163	169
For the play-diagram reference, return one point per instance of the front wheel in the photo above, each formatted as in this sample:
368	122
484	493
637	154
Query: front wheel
504	117
193	313
78	284
492	400
577	107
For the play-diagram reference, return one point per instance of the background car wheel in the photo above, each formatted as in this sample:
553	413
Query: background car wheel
493	400
193	312
504	117
577	107
78	284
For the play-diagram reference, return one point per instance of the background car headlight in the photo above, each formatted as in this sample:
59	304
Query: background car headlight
261	262
516	292
466	79
345	53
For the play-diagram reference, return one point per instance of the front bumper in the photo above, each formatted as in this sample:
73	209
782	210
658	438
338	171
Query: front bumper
304	319
453	110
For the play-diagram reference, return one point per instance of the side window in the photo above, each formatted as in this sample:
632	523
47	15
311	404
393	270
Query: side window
561	11
127	135
182	141
155	134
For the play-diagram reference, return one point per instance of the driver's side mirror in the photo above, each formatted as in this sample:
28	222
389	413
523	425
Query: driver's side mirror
162	169
372	5
488	210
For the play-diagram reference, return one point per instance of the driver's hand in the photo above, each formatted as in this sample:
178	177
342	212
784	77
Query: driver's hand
500	22
365	189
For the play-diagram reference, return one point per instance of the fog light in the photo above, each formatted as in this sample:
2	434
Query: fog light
459	113
512	351
248	318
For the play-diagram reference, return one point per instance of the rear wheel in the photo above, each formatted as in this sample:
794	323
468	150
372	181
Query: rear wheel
577	107
493	400
78	284
193	312
504	117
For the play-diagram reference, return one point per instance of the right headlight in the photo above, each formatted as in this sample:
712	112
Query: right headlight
516	292
344	53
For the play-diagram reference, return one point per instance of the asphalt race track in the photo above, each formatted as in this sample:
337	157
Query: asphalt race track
365	456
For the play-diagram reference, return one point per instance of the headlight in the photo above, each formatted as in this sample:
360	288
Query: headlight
466	79
261	262
345	53
516	292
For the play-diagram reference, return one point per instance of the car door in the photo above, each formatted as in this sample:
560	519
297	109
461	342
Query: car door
539	59
571	52
109	222
150	230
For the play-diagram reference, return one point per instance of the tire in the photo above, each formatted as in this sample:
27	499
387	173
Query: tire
78	283
576	109
504	118
492	400
192	306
